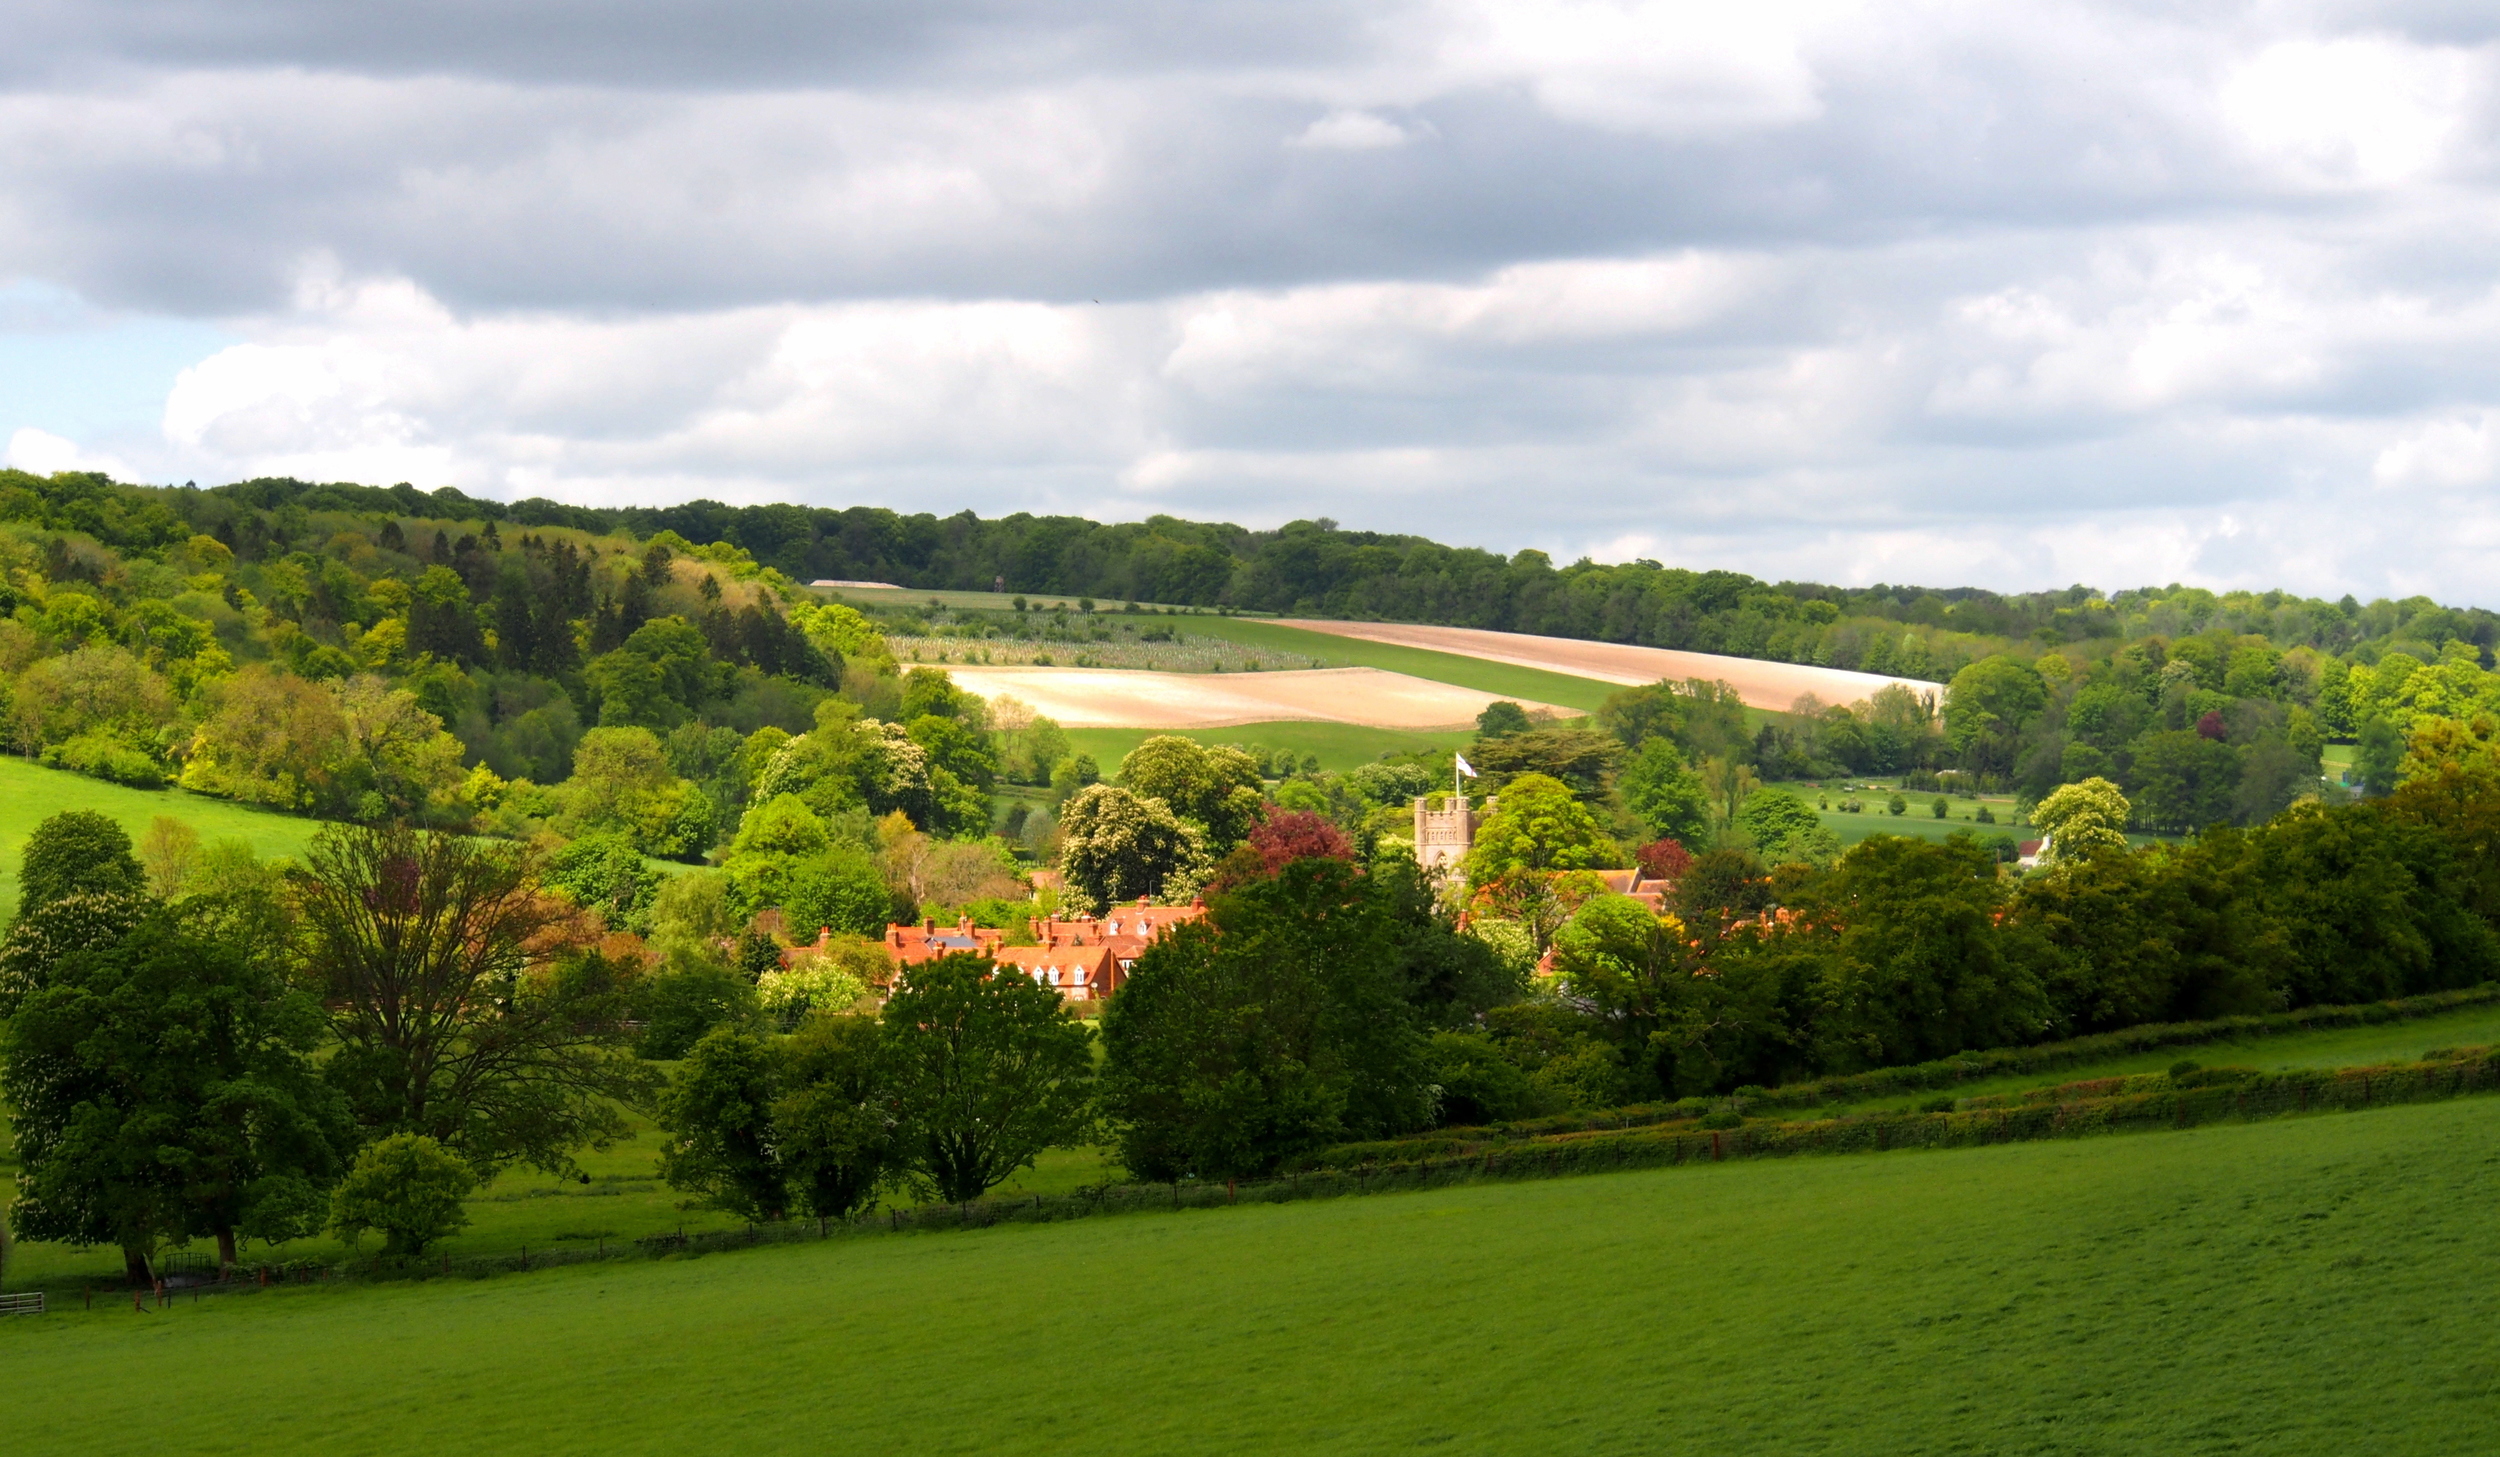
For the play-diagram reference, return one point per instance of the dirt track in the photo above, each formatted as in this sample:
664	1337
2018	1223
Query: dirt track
1122	698
1761	684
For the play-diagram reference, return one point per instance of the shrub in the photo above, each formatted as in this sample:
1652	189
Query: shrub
1941	808
1896	805
603	872
406	1186
1477	1083
690	996
812	983
101	756
1724	1118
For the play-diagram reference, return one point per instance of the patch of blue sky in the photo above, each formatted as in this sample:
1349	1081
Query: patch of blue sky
89	374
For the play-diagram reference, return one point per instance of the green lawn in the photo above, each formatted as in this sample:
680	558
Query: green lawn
31	793
2401	1041
2298	1286
1339	745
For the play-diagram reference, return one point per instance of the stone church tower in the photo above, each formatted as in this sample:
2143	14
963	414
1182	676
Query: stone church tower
1444	836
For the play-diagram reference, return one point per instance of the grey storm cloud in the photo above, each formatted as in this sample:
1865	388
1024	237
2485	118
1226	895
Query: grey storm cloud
2009	294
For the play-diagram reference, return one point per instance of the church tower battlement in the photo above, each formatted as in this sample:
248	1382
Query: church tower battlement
1444	836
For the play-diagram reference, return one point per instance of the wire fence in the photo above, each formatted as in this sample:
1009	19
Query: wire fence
2117	1105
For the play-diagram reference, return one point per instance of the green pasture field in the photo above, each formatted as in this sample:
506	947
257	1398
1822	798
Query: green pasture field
623	1201
1340	746
1919	821
2295	1286
31	793
2400	1041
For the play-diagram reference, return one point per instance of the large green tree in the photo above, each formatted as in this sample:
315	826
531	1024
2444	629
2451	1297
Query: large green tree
1666	795
1281	1025
1538	824
1218	790
2184	781
988	1068
2083	820
2116	939
1912	966
76	852
836	1120
162	1082
1117	845
718	1111
1578	756
456	1013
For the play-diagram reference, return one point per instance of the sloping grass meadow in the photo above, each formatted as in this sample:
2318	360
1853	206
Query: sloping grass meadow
2306	1285
31	793
2324	1047
1340	746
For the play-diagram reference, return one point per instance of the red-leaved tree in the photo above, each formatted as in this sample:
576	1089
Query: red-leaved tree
1664	859
1288	835
1276	842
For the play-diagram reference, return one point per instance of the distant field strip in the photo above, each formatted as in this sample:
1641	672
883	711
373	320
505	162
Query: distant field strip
1503	680
1121	698
1337	746
1762	684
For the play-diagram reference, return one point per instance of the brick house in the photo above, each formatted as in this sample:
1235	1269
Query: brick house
1077	973
1086	957
912	945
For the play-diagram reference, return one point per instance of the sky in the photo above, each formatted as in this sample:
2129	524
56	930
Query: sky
2013	296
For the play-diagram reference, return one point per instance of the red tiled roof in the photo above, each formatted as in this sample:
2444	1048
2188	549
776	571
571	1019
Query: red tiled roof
1079	973
928	941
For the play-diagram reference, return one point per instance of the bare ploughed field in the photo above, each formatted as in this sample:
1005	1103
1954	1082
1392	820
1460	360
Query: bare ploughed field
1125	698
1761	684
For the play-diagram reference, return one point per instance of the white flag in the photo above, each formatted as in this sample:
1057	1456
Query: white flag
1464	767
